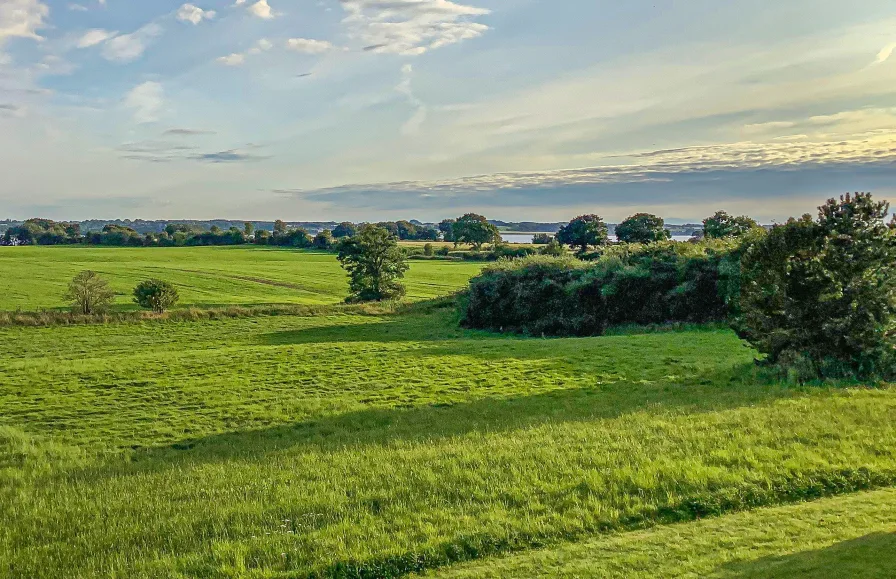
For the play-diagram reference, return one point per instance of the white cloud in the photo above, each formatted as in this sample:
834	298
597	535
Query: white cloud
261	46
234	59
309	46
146	101
885	53
260	9
194	14
21	18
77	8
94	37
128	47
411	27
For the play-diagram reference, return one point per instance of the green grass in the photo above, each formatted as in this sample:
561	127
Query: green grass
852	536
375	445
35	277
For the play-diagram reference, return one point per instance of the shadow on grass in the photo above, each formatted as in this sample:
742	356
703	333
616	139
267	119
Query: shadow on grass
869	557
423	424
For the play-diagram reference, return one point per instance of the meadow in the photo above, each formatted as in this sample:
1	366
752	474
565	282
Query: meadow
36	277
382	444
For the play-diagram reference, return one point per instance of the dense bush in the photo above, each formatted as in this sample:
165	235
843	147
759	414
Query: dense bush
631	284
642	228
818	297
155	295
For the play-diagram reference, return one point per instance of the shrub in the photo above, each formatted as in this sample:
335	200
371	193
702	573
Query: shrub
89	293
656	284
155	295
542	238
427	250
818	297
443	251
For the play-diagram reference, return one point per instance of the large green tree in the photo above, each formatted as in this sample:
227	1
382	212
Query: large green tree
642	228
375	264
475	230
722	225
584	231
818	297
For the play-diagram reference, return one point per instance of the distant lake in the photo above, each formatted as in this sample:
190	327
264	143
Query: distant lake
527	237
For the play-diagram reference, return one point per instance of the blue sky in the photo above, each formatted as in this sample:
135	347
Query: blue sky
369	109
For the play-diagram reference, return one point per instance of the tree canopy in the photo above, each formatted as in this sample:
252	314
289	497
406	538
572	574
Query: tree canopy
642	228
819	297
584	231
722	225
475	230
88	293
375	264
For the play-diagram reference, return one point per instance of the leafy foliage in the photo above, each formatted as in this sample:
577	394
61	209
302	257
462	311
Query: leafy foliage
659	283
475	230
584	231
819	297
344	229
88	293
642	228
375	264
542	238
722	225
156	295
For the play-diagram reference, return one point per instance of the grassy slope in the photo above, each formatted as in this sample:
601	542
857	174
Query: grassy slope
37	277
267	446
852	536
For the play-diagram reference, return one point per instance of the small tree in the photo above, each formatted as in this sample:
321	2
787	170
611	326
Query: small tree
428	250
819	297
583	231
155	295
279	228
722	225
375	264
542	238
89	293
642	228
248	229
475	230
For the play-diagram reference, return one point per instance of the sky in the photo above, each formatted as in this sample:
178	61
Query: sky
535	110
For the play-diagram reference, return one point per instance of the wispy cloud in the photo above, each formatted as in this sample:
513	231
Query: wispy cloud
129	47
413	124
181	132
146	101
411	27
94	37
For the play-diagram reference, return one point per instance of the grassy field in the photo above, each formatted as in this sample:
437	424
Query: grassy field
36	277
353	445
853	536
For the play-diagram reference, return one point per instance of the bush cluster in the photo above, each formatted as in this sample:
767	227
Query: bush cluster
631	284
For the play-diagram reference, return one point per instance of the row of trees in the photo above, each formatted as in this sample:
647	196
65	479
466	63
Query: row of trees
590	231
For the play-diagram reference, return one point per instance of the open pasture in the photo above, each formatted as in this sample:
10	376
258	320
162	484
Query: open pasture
379	445
36	277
